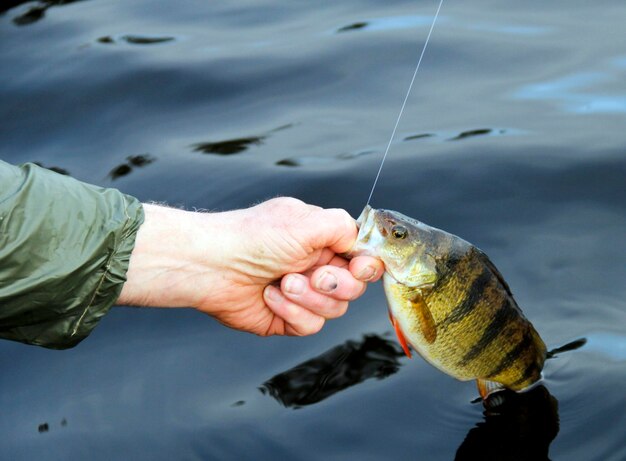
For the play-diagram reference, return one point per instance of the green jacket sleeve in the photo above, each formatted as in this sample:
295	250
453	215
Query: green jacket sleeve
64	253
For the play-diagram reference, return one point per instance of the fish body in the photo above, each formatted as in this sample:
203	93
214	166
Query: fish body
450	303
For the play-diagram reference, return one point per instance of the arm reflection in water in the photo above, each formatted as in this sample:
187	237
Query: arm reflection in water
517	427
337	369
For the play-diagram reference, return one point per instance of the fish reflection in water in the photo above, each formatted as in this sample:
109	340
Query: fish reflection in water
517	427
353	362
337	369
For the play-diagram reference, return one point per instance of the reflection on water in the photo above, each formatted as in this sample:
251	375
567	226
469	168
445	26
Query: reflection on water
136	39
516	427
354	26
145	40
56	169
472	133
45	427
410	21
229	146
333	371
35	12
308	160
418	136
610	345
236	145
573	92
398	22
353	362
510	29
131	161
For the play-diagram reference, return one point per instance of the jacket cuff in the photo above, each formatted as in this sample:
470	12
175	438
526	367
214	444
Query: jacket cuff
65	247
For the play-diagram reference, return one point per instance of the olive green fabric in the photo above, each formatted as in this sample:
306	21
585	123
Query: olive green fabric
64	253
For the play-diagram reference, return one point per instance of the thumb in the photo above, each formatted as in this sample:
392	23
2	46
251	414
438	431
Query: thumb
331	228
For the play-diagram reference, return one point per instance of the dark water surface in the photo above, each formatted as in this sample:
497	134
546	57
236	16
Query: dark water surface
514	139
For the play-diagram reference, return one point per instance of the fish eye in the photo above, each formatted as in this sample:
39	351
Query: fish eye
399	232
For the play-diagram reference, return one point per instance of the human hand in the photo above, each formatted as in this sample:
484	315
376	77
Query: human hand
270	269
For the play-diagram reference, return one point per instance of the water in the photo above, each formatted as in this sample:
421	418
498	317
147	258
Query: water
513	138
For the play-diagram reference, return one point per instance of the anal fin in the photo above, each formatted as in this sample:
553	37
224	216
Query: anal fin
486	387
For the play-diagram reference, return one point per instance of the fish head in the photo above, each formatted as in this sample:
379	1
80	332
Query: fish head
404	244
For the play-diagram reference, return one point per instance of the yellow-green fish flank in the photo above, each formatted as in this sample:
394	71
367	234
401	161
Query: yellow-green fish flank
450	303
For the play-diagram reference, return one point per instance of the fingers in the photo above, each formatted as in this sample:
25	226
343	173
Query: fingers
336	283
366	268
297	288
304	302
363	268
298	320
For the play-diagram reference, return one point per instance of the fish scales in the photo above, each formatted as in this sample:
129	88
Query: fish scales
450	302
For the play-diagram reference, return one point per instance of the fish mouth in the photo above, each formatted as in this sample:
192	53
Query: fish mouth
363	216
365	224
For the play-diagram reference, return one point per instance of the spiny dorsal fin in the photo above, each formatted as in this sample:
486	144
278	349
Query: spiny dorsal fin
492	267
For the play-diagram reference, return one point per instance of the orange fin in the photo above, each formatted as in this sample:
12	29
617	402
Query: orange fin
426	320
400	335
486	387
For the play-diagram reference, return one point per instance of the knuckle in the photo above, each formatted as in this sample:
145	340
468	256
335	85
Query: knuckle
310	327
340	309
315	326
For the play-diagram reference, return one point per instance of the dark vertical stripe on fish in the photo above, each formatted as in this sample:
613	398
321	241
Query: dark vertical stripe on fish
514	354
447	269
469	303
503	315
531	370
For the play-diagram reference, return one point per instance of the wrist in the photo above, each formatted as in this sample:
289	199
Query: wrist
173	250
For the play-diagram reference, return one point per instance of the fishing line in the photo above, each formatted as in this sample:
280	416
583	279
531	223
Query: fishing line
393	133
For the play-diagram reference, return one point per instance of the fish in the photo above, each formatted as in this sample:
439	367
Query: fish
450	303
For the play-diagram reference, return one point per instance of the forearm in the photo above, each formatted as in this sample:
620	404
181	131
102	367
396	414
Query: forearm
170	253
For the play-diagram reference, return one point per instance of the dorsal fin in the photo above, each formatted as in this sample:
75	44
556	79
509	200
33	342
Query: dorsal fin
492	267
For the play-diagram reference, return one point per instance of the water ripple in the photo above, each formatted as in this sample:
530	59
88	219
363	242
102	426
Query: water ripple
571	91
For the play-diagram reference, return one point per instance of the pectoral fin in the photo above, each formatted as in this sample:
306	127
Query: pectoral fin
425	318
400	335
